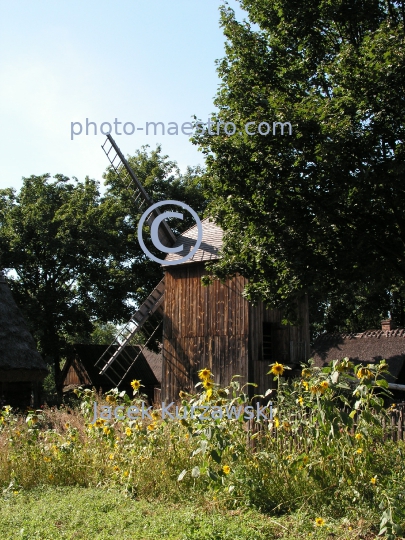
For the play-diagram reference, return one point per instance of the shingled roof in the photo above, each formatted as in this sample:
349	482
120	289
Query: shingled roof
19	359
210	245
366	347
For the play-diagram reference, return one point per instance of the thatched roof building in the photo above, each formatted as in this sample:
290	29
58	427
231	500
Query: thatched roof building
367	348
21	366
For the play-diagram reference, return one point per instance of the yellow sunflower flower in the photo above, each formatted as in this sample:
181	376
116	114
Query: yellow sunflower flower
364	373
301	401
324	386
204	374
306	373
373	480
277	369
136	384
358	436
319	522
226	469
128	431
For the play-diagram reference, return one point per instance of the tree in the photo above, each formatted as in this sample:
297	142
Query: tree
320	210
77	267
62	243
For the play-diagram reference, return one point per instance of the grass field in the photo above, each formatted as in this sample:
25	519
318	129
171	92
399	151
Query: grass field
52	513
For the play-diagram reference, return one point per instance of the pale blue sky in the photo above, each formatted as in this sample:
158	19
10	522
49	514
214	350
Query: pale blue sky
138	61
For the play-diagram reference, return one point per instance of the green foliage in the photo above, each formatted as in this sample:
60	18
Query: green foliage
320	210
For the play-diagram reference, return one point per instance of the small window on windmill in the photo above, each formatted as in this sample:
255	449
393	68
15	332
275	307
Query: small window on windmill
267	342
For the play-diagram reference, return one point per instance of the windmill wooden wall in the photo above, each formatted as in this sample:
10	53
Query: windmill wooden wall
216	327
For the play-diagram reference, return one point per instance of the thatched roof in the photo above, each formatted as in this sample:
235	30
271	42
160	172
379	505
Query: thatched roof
19	358
210	245
366	347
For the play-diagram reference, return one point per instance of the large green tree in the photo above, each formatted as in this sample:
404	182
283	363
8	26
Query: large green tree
74	257
322	209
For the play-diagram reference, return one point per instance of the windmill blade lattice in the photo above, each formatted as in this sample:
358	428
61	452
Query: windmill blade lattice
117	360
141	199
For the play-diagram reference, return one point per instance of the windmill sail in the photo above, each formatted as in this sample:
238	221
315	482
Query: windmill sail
141	199
117	361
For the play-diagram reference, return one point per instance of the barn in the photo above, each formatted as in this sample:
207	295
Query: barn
79	370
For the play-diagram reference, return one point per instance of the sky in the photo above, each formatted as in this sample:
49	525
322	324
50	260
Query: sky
130	60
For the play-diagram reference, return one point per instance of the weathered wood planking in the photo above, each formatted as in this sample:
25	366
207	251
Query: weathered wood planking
216	327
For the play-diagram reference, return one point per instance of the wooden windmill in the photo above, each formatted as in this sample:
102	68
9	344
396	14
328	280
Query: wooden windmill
213	326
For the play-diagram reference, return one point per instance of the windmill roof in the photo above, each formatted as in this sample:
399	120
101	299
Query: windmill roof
365	347
19	358
210	245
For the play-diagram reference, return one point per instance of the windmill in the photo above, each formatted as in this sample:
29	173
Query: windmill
211	326
116	362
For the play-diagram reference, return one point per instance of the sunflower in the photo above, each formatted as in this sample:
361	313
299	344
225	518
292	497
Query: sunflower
276	422
151	427
319	522
277	369
359	451
358	436
226	469
155	415
107	430
286	425
182	394
208	384
300	400
364	373
306	373
324	386
204	374
128	431
111	400
373	480
136	384
305	385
